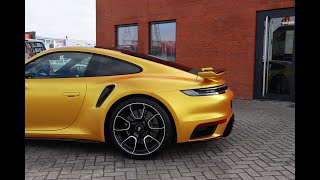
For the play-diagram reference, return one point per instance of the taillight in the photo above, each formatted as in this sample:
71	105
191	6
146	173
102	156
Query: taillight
206	91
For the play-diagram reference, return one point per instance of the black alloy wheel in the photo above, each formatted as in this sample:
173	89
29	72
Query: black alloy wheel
140	127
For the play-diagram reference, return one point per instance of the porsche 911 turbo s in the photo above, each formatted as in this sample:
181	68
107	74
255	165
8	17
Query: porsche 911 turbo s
139	103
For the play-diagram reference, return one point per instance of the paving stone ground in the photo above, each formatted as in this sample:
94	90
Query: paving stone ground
261	146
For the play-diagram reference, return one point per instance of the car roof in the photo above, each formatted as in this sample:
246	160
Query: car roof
81	49
150	58
114	50
72	48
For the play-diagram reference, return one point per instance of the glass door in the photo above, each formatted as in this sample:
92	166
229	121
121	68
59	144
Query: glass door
274	69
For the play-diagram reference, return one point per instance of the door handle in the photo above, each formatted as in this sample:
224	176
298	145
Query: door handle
71	94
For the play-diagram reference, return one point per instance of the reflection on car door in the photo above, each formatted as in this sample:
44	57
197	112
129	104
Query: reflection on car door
53	104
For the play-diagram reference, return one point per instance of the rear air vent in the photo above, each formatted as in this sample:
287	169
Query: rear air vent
203	131
104	94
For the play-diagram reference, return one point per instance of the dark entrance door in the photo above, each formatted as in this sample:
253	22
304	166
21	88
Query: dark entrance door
274	58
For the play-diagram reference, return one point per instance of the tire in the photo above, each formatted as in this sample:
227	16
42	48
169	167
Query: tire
140	127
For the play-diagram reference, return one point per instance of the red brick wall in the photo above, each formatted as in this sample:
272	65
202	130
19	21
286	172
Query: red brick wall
213	33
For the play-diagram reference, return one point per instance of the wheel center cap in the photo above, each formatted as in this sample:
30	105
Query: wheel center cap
139	128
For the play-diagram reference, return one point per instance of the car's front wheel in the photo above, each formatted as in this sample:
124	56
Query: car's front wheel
140	127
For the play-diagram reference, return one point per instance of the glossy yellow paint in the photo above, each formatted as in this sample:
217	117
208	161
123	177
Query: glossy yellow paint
54	111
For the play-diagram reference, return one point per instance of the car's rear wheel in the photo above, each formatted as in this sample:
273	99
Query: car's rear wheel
140	127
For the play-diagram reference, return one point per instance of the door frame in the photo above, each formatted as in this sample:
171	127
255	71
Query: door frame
258	64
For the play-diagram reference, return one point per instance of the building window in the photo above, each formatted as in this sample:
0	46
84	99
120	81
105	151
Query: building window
163	40
127	37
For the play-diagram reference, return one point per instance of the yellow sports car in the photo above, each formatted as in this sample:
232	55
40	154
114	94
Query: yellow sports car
139	102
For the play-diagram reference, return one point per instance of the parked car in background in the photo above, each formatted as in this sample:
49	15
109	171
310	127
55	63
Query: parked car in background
33	47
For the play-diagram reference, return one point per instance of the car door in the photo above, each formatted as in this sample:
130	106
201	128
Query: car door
54	89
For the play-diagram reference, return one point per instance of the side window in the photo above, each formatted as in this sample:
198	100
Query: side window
58	65
108	66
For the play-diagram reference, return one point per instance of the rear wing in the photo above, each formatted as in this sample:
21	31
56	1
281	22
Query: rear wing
208	74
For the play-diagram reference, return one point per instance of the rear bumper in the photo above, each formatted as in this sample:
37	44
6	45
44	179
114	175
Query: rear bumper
190	112
229	127
209	129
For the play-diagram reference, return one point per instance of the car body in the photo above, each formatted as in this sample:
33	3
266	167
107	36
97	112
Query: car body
182	106
33	47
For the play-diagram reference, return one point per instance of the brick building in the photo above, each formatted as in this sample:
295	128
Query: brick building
228	34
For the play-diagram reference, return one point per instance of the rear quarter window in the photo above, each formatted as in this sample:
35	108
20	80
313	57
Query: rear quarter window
108	66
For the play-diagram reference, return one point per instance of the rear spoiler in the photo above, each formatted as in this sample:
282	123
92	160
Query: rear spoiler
208	74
